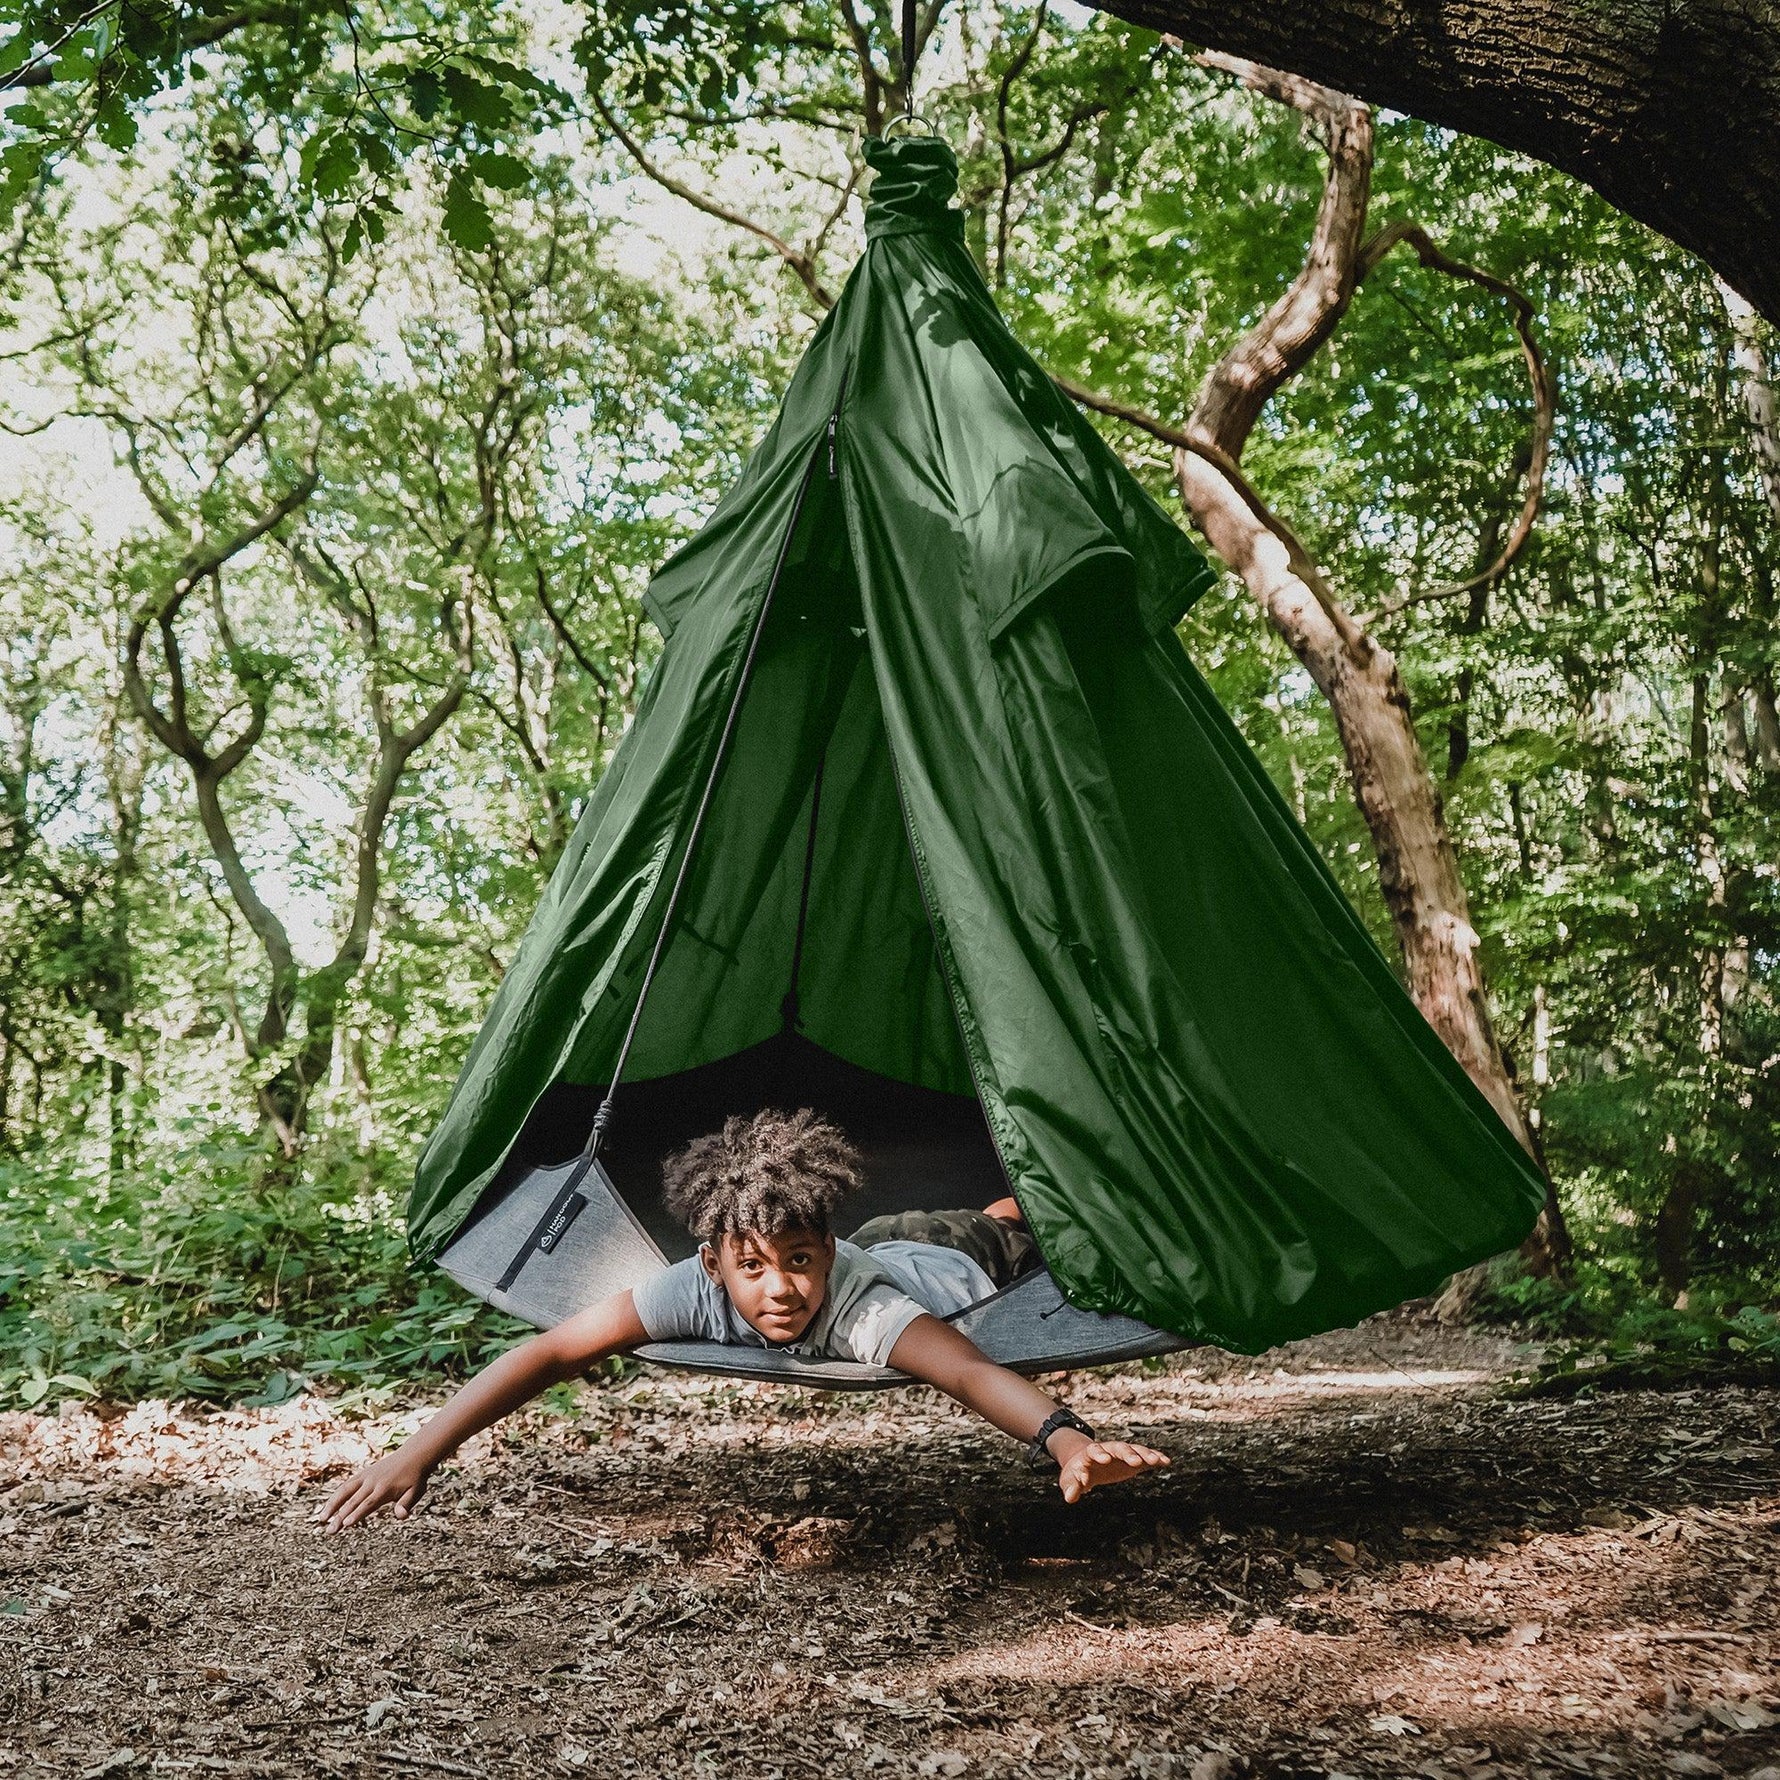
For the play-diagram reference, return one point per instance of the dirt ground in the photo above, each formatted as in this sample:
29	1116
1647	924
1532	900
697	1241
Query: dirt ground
1365	1560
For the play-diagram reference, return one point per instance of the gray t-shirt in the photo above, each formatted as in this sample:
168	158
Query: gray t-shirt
873	1295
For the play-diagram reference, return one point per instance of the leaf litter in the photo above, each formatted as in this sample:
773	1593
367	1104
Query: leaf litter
1365	1560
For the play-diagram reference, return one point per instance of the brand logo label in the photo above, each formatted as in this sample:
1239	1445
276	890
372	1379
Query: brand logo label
572	1208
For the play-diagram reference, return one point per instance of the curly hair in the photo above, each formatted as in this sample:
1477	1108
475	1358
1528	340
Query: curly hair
774	1172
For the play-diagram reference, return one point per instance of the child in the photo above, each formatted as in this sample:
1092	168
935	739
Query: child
759	1195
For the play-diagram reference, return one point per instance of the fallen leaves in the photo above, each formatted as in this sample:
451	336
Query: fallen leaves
1741	1715
115	1763
944	1762
712	1581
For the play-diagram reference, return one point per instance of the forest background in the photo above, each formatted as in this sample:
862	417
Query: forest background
356	380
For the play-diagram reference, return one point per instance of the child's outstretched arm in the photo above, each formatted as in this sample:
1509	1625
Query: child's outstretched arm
399	1478
935	1352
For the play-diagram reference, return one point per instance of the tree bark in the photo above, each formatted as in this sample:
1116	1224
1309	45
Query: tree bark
285	1098
1666	110
115	992
1672	1235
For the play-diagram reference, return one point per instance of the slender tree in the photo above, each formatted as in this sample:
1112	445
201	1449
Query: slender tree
1396	793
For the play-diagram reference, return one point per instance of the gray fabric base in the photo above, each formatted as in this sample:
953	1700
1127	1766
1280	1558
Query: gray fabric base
1029	1326
604	1250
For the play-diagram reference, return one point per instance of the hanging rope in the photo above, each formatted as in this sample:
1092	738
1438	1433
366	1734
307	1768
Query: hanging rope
603	1114
568	1201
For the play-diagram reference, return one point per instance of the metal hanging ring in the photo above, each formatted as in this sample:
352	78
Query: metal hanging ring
909	123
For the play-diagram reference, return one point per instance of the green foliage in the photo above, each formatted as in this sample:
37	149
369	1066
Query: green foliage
472	460
382	89
224	1277
1641	1345
1604	1329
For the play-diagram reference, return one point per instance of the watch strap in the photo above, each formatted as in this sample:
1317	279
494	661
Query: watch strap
1058	1418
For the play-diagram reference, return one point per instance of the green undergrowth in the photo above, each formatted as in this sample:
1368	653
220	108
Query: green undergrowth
233	1278
1604	1333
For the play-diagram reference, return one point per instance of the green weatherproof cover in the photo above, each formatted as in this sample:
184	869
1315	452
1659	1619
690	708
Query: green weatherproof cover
1047	871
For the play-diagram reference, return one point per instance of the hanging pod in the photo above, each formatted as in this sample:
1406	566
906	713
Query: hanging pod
925	820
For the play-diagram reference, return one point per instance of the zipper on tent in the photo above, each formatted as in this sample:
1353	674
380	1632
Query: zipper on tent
569	1201
916	858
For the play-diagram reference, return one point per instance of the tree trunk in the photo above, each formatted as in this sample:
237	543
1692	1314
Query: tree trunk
115	997
1417	867
1396	792
358	1071
1476	613
1666	110
1673	1231
1672	1236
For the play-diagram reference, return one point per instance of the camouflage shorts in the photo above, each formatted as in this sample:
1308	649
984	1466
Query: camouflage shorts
1003	1251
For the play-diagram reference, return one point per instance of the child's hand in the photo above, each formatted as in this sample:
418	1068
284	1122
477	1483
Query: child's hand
395	1478
1097	1462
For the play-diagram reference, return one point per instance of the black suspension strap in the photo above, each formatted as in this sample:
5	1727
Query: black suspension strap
568	1201
788	1007
908	57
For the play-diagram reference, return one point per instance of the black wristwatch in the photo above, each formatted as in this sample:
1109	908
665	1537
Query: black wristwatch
1058	1418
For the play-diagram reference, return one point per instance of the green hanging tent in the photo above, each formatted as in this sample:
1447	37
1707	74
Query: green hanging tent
926	819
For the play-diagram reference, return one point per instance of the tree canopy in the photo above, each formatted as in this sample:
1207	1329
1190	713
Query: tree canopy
360	364
1668	114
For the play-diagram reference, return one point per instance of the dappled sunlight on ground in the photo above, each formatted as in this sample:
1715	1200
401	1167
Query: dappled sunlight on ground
1364	1560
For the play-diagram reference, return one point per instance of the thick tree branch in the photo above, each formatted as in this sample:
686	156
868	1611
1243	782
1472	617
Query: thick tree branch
285	1098
1755	378
1538	453
1667	111
560	626
204	561
1299	560
1288	336
1016	66
1419	876
837	210
396	747
872	83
